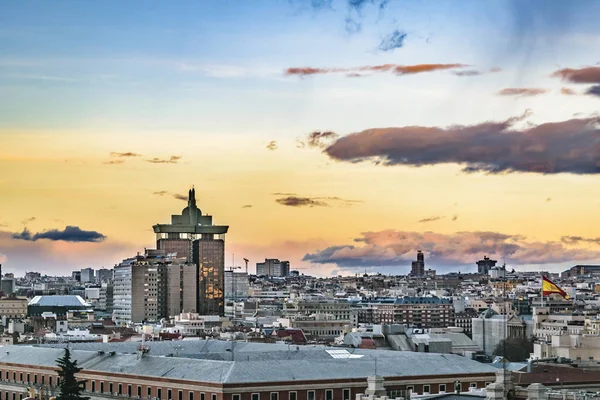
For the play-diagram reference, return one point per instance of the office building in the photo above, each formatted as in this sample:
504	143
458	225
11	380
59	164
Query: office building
417	312
104	275
153	286
192	235
86	275
580	270
76	276
236	285
418	266
273	267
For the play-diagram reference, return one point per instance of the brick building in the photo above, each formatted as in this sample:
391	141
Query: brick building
218	370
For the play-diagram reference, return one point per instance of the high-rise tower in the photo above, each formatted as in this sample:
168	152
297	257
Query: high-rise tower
193	235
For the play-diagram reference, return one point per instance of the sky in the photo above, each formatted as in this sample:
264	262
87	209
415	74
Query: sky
341	135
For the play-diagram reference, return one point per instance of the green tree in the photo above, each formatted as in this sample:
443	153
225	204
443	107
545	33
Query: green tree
515	349
70	388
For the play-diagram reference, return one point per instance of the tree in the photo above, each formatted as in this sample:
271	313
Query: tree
70	388
515	349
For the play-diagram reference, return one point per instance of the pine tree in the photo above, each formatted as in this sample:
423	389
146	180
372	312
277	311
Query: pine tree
70	388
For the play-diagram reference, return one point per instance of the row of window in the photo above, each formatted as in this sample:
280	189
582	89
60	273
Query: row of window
7	377
310	395
159	391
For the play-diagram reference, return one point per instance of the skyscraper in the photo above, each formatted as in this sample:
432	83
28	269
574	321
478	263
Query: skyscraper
193	235
484	266
418	267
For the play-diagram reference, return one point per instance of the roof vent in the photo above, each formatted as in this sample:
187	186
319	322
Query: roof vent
112	353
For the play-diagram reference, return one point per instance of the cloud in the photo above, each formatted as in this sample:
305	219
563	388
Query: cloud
28	220
318	138
548	199
522	92
69	234
469	72
575	240
579	75
455	217
567	91
3	258
247	206
396	248
295	201
272	145
174	195
126	154
569	146
114	162
594	90
390	68
393	41
170	160
431	219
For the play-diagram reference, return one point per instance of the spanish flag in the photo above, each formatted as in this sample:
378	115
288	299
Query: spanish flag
549	287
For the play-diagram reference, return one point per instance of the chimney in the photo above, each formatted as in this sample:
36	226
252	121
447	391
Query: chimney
375	386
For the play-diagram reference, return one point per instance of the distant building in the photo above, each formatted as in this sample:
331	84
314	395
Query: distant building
59	305
490	328
236	285
484	266
86	275
8	285
153	286
76	275
104	275
579	270
417	312
418	266
273	267
193	236
13	307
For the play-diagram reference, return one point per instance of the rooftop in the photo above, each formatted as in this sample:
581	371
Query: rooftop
58	301
242	362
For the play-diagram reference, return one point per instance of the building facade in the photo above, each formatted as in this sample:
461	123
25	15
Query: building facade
484	266
417	312
192	235
13	307
273	267
152	286
418	266
87	275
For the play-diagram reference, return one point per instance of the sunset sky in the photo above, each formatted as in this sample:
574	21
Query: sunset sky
341	135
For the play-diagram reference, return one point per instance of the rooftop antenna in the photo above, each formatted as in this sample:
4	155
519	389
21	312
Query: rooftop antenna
246	261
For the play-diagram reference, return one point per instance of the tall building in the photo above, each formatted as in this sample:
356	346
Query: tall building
153	286
193	235
86	275
273	267
484	266
418	267
236	285
104	275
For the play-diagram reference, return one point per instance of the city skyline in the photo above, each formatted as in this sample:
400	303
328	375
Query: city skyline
342	136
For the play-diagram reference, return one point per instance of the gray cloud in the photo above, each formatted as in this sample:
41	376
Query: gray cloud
174	195
574	240
28	220
392	41
125	154
431	219
395	248
69	234
390	68
272	145
114	162
594	90
568	91
247	206
295	201
454	217
571	146
318	139
522	92
170	160
579	75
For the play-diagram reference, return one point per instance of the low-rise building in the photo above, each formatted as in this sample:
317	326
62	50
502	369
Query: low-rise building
13	307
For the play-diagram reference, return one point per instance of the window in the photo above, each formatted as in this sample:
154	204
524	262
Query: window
93	385
50	380
120	389
101	387
426	389
345	394
169	395
43	379
310	395
28	378
159	393
180	395
293	396
149	391
110	388
129	390
274	395
214	396
442	388
328	395
21	377
255	396
202	396
35	378
191	396
473	385
139	391
235	397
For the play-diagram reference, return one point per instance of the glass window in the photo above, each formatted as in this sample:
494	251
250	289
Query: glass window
235	397
329	394
214	396
346	394
169	394
473	385
101	387
93	385
274	395
149	391
310	395
426	389
255	396
120	389
191	396
202	396
159	393
129	390
442	388
139	391
293	395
